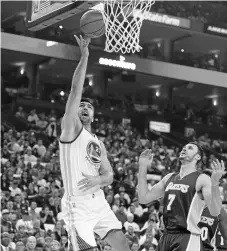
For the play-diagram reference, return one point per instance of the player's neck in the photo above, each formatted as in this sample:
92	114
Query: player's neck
88	127
187	168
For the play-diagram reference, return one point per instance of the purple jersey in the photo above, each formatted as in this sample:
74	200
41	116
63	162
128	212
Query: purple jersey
208	225
219	241
182	204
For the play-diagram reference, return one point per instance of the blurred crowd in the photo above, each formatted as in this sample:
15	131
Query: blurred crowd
32	188
214	12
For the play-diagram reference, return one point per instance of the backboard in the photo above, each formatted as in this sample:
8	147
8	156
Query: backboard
43	13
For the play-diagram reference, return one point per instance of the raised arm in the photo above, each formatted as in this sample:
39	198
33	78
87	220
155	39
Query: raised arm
209	187
158	190
71	124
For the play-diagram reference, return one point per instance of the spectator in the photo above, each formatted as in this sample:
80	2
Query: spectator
31	243
33	117
130	222
39	247
55	245
41	199
25	221
20	246
42	122
131	236
121	215
29	157
40	148
135	246
138	208
64	241
124	197
37	231
14	189
20	113
21	235
13	146
32	211
5	242
47	216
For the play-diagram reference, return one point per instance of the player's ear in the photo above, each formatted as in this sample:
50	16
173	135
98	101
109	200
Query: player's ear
198	157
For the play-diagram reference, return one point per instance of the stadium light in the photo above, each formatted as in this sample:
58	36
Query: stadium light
215	102
62	93
90	82
22	70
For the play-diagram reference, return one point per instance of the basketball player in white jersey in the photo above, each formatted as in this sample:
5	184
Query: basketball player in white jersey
85	168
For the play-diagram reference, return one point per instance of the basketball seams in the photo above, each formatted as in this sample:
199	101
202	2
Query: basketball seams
93	21
94	32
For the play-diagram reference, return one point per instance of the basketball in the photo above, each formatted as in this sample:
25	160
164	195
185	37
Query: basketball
92	24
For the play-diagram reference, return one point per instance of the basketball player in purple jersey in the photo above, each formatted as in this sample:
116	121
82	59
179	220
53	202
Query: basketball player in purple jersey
212	237
85	169
221	233
185	195
213	231
208	226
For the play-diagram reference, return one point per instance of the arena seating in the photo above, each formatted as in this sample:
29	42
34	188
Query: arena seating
31	183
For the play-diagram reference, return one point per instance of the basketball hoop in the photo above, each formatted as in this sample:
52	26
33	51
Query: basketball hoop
123	21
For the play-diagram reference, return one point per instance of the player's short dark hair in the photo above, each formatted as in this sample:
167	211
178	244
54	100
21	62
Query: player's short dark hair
200	150
208	172
87	100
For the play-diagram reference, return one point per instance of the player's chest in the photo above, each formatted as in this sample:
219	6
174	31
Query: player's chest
90	151
180	188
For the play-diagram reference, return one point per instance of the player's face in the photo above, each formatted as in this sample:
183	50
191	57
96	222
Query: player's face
86	112
107	248
189	153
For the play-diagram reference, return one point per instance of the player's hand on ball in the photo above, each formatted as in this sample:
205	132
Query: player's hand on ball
146	158
218	171
83	44
88	182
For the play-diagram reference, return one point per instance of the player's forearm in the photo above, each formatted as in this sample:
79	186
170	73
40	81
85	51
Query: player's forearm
77	83
142	185
79	75
215	202
223	224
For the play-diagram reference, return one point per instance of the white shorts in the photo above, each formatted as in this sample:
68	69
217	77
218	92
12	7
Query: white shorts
85	215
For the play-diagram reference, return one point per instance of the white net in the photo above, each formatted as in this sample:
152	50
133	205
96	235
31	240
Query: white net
123	21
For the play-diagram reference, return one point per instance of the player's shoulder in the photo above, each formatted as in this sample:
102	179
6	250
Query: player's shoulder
203	178
167	177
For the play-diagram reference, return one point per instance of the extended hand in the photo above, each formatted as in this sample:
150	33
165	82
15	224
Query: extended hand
88	182
83	44
218	171
146	158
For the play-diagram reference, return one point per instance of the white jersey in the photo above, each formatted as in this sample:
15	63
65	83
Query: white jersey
82	155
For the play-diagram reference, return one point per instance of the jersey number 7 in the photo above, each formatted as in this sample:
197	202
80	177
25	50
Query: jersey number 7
171	198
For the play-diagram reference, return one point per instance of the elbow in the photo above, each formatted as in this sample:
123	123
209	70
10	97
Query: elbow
111	179
142	200
214	213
